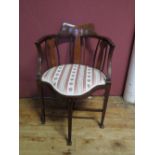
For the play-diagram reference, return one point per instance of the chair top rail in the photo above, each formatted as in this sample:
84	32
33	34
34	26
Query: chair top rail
51	36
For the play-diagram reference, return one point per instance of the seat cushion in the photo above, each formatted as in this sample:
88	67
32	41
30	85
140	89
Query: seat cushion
73	79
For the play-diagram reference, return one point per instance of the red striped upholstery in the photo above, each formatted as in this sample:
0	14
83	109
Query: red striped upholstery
73	79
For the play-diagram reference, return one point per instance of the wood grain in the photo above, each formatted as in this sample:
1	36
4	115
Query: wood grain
51	49
117	138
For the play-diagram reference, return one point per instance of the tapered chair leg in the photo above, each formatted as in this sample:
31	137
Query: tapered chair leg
42	106
105	101
70	111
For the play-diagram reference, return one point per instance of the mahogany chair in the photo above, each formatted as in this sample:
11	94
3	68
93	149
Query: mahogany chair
77	78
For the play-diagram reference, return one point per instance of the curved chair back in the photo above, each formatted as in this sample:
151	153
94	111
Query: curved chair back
80	47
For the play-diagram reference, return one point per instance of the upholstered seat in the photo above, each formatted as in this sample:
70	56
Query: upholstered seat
73	79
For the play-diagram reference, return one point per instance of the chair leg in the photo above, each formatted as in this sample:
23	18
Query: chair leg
70	111
42	106
106	96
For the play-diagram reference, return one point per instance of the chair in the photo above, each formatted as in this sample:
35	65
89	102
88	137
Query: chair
77	78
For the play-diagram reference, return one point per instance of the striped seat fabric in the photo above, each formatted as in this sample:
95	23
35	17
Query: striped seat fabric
73	79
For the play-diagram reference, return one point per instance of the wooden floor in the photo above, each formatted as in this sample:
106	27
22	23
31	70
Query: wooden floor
117	138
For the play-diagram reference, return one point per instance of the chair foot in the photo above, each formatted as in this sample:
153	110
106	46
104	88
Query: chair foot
69	142
101	126
43	120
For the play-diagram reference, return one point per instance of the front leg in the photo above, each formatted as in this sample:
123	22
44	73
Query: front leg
105	101
70	111
42	106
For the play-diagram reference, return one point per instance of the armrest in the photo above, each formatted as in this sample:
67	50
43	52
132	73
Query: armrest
39	73
45	37
109	66
40	60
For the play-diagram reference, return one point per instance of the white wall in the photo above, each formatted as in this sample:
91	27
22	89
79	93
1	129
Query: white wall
129	93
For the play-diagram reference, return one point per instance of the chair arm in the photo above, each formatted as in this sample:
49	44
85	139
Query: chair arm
44	38
109	65
39	67
40	60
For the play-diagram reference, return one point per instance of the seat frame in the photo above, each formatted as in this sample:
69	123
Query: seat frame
71	100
